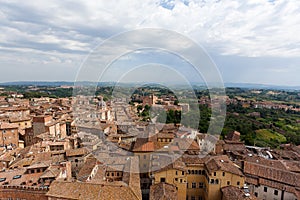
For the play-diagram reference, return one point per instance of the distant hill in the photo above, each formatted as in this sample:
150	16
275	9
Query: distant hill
261	86
86	83
37	83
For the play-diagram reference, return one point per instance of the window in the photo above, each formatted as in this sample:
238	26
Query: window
238	183
189	171
212	181
176	179
228	182
176	172
112	174
193	172
162	180
182	173
256	194
223	173
217	181
276	192
180	180
200	185
193	198
145	156
265	189
17	176
203	172
193	185
187	185
215	173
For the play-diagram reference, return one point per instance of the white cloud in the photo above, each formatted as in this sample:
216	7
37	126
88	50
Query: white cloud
254	28
68	30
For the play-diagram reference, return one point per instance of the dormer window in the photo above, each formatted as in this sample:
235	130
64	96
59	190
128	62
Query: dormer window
17	176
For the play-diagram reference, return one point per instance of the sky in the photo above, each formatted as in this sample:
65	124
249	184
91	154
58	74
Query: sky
253	41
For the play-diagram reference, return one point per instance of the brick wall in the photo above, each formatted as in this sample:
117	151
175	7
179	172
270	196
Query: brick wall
23	192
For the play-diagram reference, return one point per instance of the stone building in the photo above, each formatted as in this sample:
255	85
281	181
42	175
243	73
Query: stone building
9	135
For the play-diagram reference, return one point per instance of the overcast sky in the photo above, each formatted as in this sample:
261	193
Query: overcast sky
256	41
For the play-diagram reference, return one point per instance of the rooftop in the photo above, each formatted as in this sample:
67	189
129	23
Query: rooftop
83	191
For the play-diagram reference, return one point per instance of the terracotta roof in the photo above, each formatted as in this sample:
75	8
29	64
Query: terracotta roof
39	165
76	152
4	125
28	179
143	145
186	144
250	180
222	163
266	162
293	166
43	156
163	191
51	172
86	169
231	192
8	175
77	190
234	146
272	173
100	175
22	163
194	160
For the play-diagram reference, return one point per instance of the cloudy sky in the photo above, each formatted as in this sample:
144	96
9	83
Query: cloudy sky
253	41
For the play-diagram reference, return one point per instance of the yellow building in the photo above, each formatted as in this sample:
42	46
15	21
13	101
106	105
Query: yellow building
221	172
198	178
195	176
174	174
